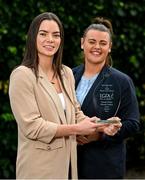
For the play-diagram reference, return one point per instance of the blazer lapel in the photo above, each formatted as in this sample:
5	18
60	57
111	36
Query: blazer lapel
67	100
78	74
52	93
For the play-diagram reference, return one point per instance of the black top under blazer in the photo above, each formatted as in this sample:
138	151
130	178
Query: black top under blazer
106	158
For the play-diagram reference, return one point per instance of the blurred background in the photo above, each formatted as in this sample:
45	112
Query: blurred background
128	55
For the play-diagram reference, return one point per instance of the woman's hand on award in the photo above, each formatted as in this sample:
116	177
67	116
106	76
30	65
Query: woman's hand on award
87	126
113	127
93	136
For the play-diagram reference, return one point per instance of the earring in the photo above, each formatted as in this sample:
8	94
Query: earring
109	50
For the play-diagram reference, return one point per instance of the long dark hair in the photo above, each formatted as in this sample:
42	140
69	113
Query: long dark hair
30	59
104	25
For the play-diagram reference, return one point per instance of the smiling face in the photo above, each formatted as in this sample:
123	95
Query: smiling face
48	39
96	45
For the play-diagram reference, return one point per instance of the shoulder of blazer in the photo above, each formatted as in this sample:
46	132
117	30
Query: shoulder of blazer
67	72
123	79
78	69
22	75
23	71
119	74
66	69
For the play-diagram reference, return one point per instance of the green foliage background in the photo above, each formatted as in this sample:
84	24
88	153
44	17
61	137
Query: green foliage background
128	56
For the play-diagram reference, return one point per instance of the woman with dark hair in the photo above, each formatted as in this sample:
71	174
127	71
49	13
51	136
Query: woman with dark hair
43	101
104	92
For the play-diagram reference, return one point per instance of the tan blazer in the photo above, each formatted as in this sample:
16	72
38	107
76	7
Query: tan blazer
38	111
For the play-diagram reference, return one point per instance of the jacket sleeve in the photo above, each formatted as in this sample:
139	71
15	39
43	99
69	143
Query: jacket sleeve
25	109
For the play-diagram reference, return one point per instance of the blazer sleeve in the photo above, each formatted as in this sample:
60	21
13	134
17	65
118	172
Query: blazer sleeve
25	109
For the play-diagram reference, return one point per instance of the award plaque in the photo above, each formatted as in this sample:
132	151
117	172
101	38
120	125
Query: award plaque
107	98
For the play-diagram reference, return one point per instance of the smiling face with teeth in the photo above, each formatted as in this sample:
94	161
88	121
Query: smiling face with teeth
48	39
96	46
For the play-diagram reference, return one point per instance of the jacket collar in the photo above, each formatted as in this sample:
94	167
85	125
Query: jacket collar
44	82
105	73
78	73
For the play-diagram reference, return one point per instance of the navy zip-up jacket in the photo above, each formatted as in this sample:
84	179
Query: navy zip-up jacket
112	94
